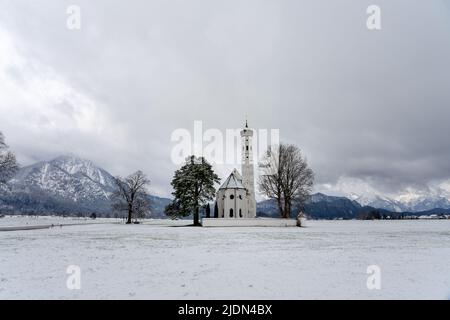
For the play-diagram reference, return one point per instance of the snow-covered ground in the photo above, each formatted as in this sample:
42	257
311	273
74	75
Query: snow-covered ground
16	221
161	259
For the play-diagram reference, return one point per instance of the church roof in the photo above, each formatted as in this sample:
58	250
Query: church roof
234	181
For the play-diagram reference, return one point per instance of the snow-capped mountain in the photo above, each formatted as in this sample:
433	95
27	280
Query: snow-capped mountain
435	194
377	201
67	177
427	203
416	204
65	185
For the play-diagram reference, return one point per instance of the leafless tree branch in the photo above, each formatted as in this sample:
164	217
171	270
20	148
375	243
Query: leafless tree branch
286	177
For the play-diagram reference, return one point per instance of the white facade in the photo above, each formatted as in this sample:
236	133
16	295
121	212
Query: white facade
248	178
232	198
236	197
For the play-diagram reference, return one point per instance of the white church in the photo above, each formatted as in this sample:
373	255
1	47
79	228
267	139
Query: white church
236	196
236	201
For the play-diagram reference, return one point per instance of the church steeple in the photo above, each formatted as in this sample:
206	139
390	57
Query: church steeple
248	179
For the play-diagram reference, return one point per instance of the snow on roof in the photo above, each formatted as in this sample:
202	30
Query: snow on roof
234	181
237	175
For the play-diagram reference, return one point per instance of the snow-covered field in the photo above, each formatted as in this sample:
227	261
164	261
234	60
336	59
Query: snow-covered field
161	259
16	221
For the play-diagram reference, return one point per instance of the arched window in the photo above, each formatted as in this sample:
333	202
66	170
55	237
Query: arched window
240	196
231	213
240	213
231	196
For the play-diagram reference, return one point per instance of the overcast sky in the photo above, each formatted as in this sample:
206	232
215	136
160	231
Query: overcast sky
369	109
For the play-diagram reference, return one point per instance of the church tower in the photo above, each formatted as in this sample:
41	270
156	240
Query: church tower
248	178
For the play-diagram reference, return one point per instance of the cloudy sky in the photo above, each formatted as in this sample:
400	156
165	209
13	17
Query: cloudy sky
370	109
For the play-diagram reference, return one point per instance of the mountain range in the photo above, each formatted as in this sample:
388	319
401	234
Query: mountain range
416	204
69	185
65	185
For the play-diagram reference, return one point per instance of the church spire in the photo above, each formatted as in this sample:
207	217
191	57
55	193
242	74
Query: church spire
248	179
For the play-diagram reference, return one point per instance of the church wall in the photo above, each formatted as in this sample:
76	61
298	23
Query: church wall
237	203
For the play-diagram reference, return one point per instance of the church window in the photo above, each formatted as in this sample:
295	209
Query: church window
231	213
240	213
240	197
231	197
247	148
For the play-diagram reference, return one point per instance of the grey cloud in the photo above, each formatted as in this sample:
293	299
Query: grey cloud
369	105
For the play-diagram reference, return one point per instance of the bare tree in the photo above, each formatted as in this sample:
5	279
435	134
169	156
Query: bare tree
131	195
142	207
8	162
286	177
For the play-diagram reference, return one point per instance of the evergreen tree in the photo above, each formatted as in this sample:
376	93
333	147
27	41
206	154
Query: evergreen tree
173	210
193	186
208	211
216	210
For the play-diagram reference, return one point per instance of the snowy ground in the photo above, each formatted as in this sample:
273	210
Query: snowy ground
15	221
161	259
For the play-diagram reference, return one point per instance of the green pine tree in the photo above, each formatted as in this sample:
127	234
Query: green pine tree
208	211
216	210
193	186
